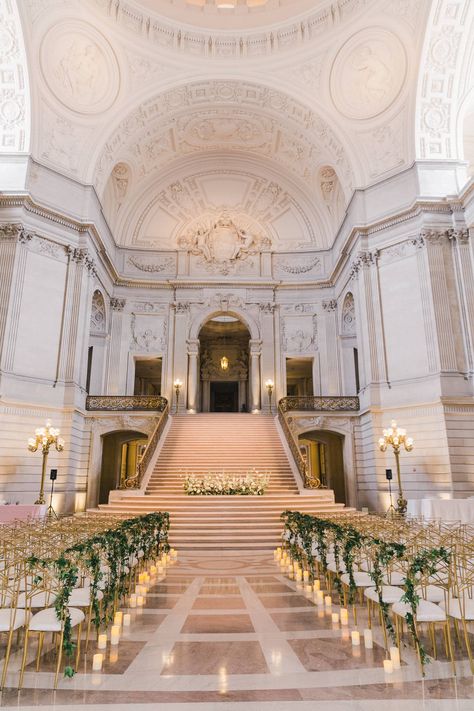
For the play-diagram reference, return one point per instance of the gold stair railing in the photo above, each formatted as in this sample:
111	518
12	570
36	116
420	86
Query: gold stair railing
311	404
135	481
114	403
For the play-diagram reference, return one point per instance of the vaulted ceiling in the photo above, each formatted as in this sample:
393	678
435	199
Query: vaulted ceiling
177	110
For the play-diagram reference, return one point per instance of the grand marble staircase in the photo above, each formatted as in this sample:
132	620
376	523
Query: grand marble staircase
234	443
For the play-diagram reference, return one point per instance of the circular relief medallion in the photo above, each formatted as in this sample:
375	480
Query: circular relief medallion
368	73
80	67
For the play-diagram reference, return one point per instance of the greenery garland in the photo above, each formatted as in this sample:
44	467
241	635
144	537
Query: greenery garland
114	551
302	530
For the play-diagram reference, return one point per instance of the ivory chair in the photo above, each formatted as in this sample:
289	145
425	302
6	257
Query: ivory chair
47	621
12	618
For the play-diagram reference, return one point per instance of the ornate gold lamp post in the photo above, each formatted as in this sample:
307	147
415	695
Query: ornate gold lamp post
269	386
177	387
44	439
396	437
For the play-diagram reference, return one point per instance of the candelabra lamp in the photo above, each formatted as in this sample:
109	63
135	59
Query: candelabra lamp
396	437
44	439
177	388
269	385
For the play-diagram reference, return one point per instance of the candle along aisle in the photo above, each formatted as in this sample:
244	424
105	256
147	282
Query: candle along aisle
328	601
355	638
102	641
395	657
368	639
319	597
97	660
344	616
127	619
335	618
388	666
118	618
317	585
133	600
306	576
114	635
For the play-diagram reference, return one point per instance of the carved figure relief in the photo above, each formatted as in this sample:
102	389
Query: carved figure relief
368	73
80	67
222	244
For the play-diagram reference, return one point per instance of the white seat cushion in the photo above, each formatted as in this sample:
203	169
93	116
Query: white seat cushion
9	620
47	621
361	579
36	600
455	609
81	597
426	611
431	592
395	578
390	594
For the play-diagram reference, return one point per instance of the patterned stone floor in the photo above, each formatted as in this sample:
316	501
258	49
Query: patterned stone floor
229	632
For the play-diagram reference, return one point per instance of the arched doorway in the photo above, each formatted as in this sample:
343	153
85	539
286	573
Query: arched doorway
121	452
323	452
224	365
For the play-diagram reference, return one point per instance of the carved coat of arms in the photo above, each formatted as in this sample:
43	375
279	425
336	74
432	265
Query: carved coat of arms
222	244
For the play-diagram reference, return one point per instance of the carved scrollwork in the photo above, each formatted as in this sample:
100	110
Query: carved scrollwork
320	404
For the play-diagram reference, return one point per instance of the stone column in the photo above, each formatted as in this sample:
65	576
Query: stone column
193	375
255	380
332	351
113	366
206	396
9	241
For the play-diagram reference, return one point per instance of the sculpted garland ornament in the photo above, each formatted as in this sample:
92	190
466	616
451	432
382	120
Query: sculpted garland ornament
222	245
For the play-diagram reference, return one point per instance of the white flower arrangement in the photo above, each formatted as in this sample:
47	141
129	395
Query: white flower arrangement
222	484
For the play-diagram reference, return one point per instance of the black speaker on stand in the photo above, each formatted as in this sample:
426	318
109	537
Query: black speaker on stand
51	513
391	511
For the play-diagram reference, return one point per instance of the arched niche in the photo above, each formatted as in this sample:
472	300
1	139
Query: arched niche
349	346
121	451
225	310
324	454
97	348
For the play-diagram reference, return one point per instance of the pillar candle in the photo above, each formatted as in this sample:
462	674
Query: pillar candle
388	666
344	616
395	657
319	597
140	601
335	618
328	601
97	661
355	637
368	639
118	619
299	576
133	600
306	576
127	619
308	589
102	641
161	570
153	570
114	635
317	585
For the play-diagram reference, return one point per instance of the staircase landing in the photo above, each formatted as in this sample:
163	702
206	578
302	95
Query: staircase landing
234	443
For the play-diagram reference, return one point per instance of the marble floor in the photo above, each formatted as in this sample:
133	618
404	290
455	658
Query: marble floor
227	631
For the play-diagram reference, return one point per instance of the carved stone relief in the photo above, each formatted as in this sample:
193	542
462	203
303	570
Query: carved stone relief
98	313
297	266
348	316
368	73
299	334
149	333
222	245
80	67
14	131
151	267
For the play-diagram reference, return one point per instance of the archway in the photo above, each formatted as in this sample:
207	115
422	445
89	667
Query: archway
121	452
224	365
323	452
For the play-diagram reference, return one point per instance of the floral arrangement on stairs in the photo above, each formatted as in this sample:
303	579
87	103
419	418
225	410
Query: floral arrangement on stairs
222	484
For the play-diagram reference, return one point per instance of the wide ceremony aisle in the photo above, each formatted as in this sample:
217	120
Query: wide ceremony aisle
228	631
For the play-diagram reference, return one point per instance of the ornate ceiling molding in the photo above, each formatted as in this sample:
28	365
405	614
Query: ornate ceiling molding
14	85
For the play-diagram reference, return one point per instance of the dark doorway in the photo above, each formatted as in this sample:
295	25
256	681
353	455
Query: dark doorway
224	397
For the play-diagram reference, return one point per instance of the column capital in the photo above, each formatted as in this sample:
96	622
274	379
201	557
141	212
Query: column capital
117	304
330	306
193	346
255	347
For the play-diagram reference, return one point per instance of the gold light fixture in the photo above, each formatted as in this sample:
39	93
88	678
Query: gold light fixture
396	437
44	439
224	363
269	386
177	387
